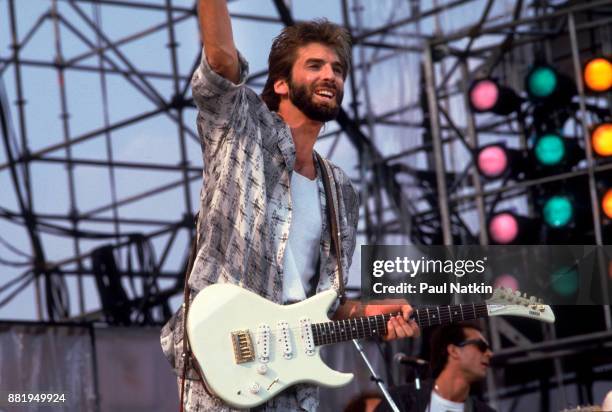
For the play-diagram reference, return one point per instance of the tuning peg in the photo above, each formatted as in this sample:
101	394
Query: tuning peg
532	302
523	299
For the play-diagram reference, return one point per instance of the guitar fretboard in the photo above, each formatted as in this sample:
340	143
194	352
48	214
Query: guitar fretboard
367	326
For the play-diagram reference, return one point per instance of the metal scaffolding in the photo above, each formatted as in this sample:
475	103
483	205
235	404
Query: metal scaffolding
460	191
406	122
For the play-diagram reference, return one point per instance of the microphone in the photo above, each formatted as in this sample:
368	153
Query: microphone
404	359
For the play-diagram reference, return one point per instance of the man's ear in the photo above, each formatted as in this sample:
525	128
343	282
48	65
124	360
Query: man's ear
281	87
453	351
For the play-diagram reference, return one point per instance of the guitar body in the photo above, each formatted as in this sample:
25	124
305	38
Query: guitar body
250	349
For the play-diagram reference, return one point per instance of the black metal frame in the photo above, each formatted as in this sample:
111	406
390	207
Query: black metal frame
392	190
540	29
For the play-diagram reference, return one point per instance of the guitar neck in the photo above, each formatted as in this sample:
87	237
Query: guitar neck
363	327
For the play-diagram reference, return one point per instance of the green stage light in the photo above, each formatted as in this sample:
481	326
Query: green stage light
550	150
545	85
565	281
541	82
558	211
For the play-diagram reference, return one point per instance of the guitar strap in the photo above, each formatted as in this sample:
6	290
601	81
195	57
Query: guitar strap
186	354
328	182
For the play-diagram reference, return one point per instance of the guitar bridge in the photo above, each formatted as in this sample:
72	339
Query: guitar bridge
243	346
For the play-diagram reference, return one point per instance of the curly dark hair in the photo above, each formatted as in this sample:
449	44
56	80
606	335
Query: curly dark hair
441	338
284	52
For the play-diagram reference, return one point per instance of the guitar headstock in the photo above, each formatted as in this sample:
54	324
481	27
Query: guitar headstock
506	302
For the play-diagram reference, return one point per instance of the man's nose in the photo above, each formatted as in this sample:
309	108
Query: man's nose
327	72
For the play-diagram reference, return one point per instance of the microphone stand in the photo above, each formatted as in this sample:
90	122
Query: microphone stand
375	378
417	385
415	365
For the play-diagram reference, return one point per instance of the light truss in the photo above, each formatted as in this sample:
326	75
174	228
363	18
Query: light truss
396	184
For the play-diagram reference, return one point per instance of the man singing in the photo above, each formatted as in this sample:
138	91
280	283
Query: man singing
460	357
263	222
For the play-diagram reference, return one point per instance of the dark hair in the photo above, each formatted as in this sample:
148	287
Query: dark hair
441	338
284	52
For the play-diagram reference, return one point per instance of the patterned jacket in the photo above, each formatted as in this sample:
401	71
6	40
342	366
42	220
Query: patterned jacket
245	202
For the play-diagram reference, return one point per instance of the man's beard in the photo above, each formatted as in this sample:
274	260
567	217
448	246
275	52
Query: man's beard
302	97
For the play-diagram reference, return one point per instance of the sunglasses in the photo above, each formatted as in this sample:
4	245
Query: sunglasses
479	343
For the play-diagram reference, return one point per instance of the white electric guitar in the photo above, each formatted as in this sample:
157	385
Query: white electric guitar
250	349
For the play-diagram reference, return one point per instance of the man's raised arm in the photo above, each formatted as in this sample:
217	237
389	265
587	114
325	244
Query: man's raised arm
218	40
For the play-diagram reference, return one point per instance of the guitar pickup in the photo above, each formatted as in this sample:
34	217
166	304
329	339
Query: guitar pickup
284	339
243	346
306	335
263	343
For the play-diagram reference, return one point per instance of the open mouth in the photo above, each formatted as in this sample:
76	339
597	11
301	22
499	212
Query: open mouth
327	94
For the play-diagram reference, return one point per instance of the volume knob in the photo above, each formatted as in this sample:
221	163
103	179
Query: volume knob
262	369
254	388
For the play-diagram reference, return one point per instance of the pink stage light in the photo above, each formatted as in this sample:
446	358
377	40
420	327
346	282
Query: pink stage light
492	161
503	228
506	281
484	95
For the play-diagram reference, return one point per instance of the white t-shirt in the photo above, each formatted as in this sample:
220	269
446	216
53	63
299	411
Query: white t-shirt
607	403
439	404
302	251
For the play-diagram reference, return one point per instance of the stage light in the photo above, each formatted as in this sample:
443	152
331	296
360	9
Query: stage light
503	228
506	281
506	227
492	161
486	95
483	95
598	75
601	139
558	211
545	84
541	82
495	160
606	203
552	152
565	281
550	149
604	190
